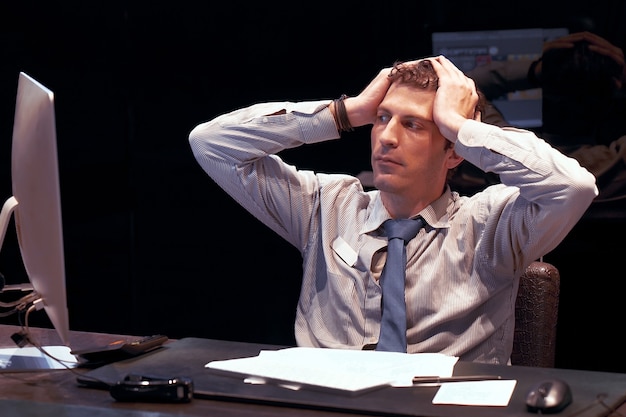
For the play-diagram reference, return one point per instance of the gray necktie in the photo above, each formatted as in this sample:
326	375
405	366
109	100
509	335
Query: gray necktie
393	323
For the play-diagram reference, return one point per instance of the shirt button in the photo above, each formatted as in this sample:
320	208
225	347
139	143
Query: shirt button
265	120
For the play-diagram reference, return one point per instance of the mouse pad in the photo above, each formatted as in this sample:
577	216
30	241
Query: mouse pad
186	357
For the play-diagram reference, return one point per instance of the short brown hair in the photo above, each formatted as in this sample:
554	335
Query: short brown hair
422	75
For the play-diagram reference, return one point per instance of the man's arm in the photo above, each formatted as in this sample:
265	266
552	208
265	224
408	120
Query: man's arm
555	190
238	151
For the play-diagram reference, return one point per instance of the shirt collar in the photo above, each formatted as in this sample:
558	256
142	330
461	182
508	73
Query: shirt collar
437	214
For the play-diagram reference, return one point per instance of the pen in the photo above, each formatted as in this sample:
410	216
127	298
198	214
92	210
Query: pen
460	378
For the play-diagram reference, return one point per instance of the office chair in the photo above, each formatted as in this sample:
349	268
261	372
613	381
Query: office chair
536	311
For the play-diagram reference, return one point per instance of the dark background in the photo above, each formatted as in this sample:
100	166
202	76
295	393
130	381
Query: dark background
142	222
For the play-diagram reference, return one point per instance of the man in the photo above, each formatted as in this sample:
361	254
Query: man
463	267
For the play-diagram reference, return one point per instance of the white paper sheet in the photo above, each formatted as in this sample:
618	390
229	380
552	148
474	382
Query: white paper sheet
351	371
31	358
486	393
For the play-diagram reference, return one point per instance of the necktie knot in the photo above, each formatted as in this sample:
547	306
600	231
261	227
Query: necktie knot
405	229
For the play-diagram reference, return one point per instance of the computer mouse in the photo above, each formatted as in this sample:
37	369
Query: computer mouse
549	396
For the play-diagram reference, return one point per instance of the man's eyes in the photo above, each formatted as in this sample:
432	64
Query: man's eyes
413	125
409	124
382	118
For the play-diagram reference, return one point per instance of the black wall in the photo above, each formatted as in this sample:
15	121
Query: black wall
143	224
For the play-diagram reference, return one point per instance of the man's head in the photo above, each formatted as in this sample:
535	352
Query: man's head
578	86
579	71
423	75
410	157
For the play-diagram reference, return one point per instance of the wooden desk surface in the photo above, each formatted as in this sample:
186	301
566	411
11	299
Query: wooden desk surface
54	393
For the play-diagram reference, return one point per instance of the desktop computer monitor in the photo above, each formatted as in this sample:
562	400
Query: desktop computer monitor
36	201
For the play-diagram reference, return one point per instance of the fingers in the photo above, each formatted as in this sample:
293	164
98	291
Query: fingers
564	42
558	44
449	73
455	100
362	108
596	43
454	83
610	51
606	48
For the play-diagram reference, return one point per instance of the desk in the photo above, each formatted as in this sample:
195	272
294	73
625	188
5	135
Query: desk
53	393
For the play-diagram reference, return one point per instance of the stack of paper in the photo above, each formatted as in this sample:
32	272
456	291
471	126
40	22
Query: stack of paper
339	370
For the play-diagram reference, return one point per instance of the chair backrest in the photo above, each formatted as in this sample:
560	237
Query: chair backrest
536	312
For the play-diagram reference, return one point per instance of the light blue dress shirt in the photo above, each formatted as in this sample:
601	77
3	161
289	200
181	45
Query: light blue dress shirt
463	267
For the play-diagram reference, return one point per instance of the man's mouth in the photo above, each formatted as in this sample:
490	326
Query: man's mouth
386	160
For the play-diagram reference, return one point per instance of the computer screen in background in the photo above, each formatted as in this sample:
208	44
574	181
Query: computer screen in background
468	49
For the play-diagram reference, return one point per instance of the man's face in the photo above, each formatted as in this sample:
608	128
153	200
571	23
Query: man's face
409	156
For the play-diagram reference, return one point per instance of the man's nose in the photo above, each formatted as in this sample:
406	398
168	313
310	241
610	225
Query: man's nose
389	133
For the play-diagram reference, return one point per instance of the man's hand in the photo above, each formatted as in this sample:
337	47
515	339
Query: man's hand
362	109
596	43
455	100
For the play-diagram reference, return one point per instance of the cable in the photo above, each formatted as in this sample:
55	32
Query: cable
599	400
612	410
21	302
26	337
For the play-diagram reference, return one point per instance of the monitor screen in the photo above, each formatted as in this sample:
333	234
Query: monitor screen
36	200
468	49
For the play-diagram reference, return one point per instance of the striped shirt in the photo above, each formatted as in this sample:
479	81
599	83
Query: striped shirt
463	267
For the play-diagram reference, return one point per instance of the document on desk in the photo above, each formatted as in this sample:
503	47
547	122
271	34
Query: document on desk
339	370
485	393
32	359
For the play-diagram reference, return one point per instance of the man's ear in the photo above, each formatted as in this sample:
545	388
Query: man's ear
453	159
